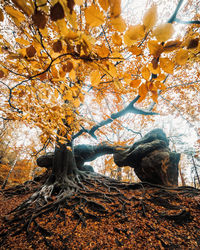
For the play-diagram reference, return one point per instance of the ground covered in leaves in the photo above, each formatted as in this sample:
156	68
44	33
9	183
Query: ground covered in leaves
111	215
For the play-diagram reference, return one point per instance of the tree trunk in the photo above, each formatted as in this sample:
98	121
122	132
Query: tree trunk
64	165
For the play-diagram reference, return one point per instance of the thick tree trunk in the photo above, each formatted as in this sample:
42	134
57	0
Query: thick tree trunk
64	167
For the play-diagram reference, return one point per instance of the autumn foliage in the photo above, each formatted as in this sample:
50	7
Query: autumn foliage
73	70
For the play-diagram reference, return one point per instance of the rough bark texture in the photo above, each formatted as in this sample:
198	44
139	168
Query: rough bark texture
82	153
151	159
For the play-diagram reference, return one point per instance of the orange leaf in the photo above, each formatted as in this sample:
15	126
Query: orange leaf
163	32
155	48
167	65
133	34
150	17
115	8
145	73
135	50
181	56
135	83
171	45
103	51
93	16
118	23
142	92
117	40
95	78
104	4
154	96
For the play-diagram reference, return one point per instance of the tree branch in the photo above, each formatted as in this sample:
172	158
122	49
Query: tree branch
129	109
173	17
186	22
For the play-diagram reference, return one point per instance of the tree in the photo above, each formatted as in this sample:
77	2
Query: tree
59	55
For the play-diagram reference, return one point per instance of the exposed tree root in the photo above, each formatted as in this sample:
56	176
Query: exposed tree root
92	197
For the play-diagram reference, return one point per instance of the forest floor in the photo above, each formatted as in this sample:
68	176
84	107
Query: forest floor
127	216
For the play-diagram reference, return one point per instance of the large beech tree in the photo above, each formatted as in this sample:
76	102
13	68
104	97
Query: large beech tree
56	55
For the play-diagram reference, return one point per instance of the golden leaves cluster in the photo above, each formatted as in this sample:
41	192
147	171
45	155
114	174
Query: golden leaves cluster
65	53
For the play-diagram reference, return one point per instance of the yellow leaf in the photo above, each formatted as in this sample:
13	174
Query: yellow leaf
171	45
143	90
71	35
155	48
118	23
22	41
135	50
154	96
95	78
111	69
115	8
163	32
127	78
16	15
145	73
22	52
68	96
161	77
160	85
133	34
79	2
94	17
76	103
104	4
72	74
117	40
135	83
117	84
27	6
153	70
56	93
150	17
116	55
167	65
62	27
62	87
181	56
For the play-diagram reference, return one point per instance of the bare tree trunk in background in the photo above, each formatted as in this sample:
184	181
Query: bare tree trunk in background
9	173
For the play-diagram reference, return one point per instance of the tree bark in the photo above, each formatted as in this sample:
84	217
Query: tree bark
64	165
150	157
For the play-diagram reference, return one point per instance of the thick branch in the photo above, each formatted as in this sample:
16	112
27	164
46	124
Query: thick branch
173	17
129	109
186	22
